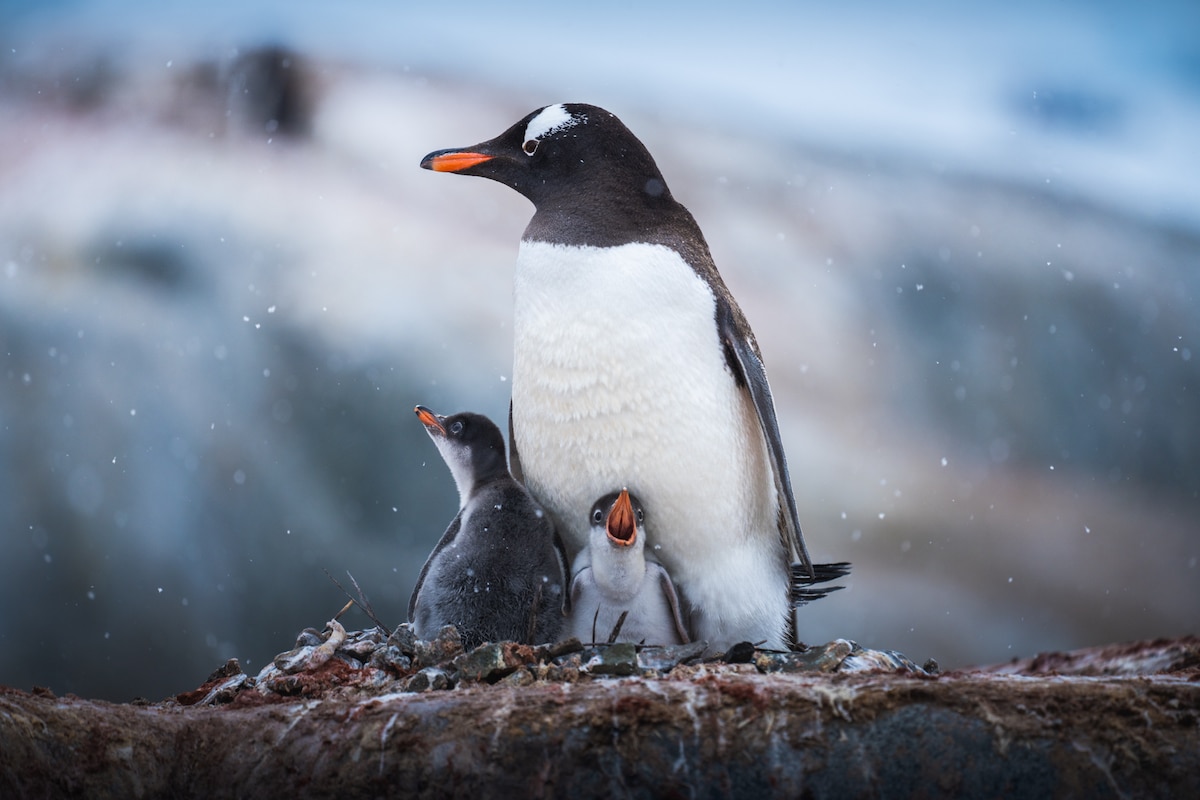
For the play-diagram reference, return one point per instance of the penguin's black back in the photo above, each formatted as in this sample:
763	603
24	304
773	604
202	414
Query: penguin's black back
501	577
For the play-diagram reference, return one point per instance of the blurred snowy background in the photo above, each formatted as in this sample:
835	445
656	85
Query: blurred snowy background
967	236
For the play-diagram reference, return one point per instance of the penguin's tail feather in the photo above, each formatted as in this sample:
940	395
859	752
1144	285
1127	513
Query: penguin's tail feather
803	589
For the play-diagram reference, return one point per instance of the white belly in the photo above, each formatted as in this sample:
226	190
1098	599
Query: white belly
619	380
648	615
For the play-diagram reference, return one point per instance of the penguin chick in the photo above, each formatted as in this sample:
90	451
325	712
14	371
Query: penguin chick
499	571
614	576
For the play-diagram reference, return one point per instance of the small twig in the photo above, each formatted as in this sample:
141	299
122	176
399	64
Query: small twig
335	583
616	631
365	604
345	608
361	602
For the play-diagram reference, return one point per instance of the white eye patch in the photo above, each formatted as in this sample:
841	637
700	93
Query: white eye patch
552	119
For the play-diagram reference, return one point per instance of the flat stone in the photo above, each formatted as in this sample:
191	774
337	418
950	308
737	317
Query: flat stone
619	658
488	662
565	647
864	660
818	658
667	657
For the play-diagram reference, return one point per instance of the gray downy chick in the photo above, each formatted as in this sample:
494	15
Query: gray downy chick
614	575
499	572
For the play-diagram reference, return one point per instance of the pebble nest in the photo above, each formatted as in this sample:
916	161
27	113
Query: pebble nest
373	662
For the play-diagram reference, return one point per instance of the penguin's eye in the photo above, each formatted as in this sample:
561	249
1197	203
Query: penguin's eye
641	515
597	516
530	147
456	427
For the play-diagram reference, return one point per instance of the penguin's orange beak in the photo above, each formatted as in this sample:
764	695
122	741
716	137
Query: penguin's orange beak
430	420
622	522
453	160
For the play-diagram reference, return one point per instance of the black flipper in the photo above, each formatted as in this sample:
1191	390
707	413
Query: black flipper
668	588
747	366
514	458
442	544
568	582
574	591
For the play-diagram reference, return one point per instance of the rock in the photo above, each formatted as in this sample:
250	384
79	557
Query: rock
665	658
404	638
822	658
362	644
428	679
520	677
740	653
488	662
565	647
226	670
390	657
444	647
220	687
310	637
619	658
1135	658
863	660
710	730
224	691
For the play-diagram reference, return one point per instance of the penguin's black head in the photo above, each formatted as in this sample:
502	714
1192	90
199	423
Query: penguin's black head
563	156
471	445
621	516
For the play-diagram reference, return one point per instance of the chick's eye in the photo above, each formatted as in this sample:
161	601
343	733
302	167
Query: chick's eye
641	515
597	516
530	147
456	427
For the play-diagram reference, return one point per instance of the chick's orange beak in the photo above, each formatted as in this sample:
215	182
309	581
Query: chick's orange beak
622	522
429	419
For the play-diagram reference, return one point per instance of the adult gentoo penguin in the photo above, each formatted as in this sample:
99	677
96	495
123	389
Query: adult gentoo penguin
634	366
614	584
499	572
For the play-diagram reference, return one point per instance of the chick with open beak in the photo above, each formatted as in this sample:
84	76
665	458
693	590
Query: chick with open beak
619	592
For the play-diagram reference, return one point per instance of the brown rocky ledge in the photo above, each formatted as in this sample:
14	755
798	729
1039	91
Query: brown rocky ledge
1122	721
